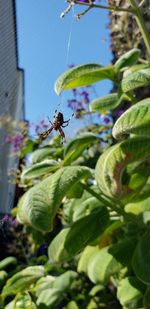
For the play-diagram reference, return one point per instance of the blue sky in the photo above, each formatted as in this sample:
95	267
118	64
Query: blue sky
48	44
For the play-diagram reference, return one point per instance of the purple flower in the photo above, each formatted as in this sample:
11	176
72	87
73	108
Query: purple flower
106	119
5	218
120	112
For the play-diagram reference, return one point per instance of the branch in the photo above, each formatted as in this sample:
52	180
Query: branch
105	7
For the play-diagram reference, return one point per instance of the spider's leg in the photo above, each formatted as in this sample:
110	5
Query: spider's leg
49	120
66	125
45	134
62	135
67	121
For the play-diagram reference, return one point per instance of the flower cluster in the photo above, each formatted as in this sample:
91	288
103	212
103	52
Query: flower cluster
80	100
17	141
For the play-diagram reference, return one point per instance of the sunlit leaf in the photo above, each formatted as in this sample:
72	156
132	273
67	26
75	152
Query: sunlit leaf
130	293
110	260
85	257
128	59
39	169
106	103
81	233
77	145
52	293
135	80
83	75
38	206
24	301
136	120
22	280
112	163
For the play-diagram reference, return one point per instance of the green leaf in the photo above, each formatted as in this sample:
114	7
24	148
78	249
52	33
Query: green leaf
134	68
130	293
39	169
3	276
85	230
136	120
141	259
77	145
10	260
128	59
106	103
146	300
86	207
71	241
38	206
135	80
24	301
56	250
85	257
110	260
10	305
112	163
42	154
83	75
138	207
52	293
72	305
22	280
49	298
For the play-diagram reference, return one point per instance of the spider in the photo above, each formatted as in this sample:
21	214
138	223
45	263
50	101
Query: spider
57	124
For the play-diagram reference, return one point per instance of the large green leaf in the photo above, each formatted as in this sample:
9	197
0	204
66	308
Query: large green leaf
84	75
128	59
136	79
86	230
141	259
52	293
82	232
106	103
22	280
77	145
38	206
110	260
130	293
136	120
39	169
112	163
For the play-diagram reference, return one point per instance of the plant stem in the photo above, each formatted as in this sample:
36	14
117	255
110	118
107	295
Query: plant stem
105	7
117	206
140	21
